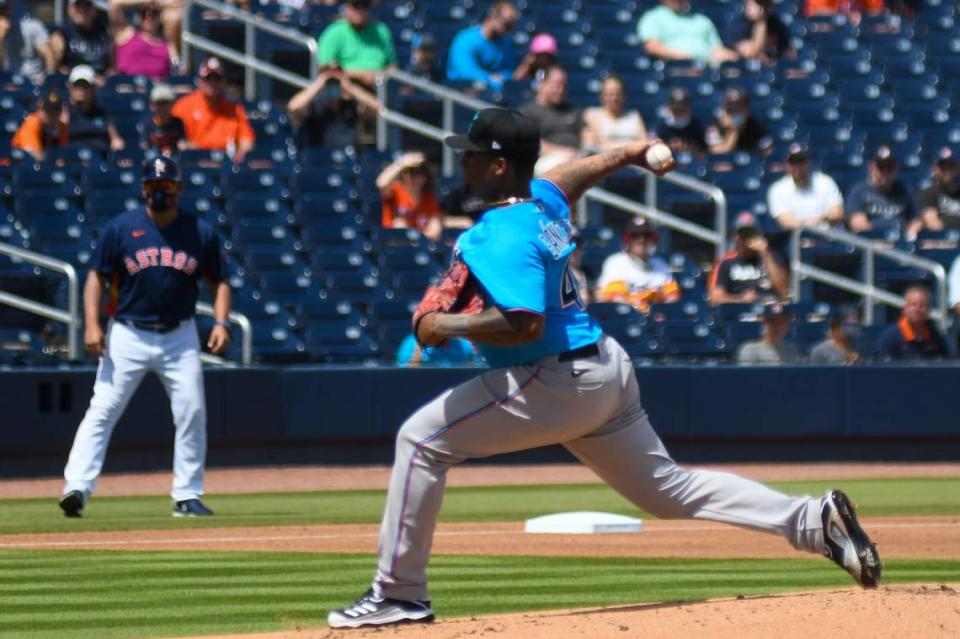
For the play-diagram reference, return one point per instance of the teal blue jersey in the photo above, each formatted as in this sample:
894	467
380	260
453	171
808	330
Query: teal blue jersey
519	253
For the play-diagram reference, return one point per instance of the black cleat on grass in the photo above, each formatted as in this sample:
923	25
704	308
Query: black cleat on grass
72	504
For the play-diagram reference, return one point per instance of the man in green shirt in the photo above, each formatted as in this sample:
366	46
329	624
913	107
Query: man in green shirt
673	32
357	44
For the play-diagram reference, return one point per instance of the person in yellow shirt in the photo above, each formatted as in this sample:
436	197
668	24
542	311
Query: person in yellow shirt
44	128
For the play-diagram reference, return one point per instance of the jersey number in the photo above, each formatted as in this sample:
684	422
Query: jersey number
570	290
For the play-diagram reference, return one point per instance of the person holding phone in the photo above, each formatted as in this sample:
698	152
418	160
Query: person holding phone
752	271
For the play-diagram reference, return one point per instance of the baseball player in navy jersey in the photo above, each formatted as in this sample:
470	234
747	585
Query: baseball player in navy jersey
555	378
151	260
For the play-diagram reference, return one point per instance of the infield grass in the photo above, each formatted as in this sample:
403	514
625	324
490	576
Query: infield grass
900	497
101	595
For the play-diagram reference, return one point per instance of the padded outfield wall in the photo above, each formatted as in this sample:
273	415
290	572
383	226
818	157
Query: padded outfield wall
300	414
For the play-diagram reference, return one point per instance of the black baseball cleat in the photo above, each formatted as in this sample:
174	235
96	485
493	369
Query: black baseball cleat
72	504
845	541
373	610
191	508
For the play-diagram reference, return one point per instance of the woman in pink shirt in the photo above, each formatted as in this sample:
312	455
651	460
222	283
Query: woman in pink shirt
142	51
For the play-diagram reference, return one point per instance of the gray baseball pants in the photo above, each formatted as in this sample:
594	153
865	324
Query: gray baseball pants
592	407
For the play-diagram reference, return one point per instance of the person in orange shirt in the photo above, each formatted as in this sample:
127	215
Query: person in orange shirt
854	8
409	201
44	128
211	120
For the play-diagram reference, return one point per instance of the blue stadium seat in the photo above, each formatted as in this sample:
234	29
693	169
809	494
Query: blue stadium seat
263	234
337	342
339	260
250	206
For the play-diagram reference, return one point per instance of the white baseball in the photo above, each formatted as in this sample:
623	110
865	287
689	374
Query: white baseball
657	156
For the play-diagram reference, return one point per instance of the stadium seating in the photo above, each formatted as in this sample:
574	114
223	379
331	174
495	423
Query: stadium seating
323	282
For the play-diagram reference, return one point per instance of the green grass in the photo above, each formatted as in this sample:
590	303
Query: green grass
94	594
920	496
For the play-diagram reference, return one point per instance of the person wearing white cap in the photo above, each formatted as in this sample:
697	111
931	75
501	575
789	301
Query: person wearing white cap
83	39
804	197
88	122
160	129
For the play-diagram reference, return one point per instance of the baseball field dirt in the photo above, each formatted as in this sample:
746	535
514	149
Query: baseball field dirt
920	610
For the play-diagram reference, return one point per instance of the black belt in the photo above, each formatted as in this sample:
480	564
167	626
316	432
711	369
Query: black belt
153	327
591	350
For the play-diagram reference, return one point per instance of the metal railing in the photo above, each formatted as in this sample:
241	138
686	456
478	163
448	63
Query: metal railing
246	338
70	317
248	58
865	288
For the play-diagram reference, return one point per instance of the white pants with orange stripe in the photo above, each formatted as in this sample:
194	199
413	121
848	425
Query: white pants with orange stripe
592	407
132	353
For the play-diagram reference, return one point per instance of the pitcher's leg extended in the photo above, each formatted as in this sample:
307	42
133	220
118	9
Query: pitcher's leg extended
629	456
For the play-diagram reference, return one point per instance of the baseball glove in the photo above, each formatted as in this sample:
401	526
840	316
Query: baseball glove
455	292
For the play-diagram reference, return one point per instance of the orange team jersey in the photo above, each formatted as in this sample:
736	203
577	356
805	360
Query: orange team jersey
844	6
31	136
213	128
401	206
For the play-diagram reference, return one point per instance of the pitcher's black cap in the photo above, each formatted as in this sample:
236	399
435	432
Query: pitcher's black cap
501	131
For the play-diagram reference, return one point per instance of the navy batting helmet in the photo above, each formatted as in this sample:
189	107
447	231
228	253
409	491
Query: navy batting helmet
161	168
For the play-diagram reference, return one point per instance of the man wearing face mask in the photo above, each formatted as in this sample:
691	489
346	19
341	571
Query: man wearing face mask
752	272
678	127
151	260
940	202
44	128
838	348
736	128
635	275
882	200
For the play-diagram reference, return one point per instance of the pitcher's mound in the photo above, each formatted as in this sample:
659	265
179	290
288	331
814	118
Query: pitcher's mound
927	611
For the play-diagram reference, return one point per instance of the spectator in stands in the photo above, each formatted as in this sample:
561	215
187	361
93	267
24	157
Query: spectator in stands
953	297
44	128
88	123
914	337
423	58
212	121
804	197
24	44
673	31
678	127
752	272
407	192
171	17
610	125
756	32
853	8
736	128
575	264
141	50
160	129
361	47
837	348
882	200
635	275
541	56
560	122
772	348
83	39
326	112
456	351
940	202
484	52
